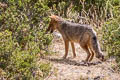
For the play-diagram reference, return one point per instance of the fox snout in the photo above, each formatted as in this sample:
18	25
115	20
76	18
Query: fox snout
49	30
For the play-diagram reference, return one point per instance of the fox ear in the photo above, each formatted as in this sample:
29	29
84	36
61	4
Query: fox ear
52	16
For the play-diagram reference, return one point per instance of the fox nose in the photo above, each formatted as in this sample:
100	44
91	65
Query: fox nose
51	31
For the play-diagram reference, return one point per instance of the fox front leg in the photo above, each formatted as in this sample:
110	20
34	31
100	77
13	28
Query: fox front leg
66	48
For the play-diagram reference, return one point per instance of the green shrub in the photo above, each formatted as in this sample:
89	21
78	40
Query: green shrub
6	48
111	38
111	31
22	38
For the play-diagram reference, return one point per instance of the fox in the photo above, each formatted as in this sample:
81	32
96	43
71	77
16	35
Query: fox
83	34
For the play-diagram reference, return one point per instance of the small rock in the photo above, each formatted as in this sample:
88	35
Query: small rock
97	78
88	72
57	35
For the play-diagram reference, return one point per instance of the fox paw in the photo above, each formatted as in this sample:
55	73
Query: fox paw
74	57
84	61
64	57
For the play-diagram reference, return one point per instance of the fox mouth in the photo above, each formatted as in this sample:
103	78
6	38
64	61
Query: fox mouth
51	31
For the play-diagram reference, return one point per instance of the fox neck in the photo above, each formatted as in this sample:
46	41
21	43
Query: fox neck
59	26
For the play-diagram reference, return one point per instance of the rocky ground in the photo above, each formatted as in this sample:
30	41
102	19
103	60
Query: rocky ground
75	69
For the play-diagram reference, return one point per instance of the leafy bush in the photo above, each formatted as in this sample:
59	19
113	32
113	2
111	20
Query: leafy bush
6	48
111	37
111	34
22	37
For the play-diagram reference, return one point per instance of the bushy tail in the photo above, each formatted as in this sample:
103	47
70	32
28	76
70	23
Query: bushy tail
96	47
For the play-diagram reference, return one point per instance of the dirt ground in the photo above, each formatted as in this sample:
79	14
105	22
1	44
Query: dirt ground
75	69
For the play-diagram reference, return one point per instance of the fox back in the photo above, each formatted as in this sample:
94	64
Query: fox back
74	31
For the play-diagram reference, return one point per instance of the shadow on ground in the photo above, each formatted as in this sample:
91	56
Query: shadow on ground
70	62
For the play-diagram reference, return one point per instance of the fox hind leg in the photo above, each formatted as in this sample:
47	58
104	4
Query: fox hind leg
92	54
88	53
94	44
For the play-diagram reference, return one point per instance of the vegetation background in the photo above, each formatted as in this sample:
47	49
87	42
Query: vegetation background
22	32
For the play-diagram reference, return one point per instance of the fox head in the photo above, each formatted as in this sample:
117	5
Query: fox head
53	23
